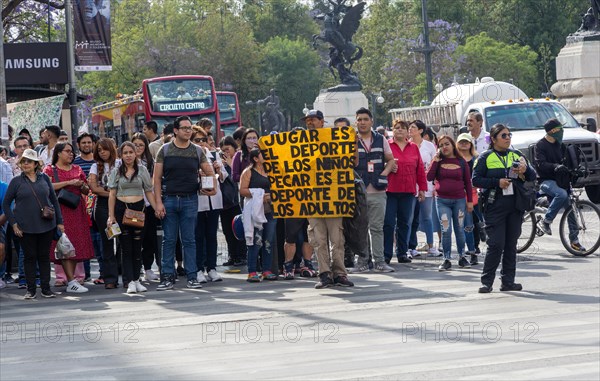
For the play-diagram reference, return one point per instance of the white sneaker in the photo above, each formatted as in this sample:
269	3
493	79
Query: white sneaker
150	276
131	289
411	253
138	286
2	284
433	252
75	288
201	277
214	276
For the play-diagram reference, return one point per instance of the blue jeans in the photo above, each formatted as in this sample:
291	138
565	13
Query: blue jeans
469	236
452	213
181	217
399	212
560	199
97	244
262	237
206	240
425	218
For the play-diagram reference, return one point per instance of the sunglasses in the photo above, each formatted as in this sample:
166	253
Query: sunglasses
200	140
186	128
506	135
26	161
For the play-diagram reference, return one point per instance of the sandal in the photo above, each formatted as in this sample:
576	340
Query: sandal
254	278
269	275
99	281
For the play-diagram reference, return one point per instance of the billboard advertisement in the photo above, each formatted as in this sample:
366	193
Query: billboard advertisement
92	35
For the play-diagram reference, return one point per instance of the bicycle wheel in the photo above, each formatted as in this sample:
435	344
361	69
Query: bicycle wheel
528	230
587	216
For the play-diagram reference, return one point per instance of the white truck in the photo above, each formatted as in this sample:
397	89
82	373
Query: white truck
501	102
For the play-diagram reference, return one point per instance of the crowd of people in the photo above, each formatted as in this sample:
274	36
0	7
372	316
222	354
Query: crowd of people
182	182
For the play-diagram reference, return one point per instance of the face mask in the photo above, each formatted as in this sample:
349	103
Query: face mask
558	135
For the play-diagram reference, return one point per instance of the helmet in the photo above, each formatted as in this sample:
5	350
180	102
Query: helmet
238	227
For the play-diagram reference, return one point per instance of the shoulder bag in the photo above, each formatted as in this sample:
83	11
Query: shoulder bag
65	197
46	211
134	218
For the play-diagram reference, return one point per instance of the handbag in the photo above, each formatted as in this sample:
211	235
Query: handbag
65	197
525	197
47	211
229	191
134	218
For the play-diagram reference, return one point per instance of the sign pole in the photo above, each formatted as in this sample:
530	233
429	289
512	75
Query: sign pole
71	68
3	101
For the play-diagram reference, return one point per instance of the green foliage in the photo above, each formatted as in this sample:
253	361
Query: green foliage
290	66
279	18
485	56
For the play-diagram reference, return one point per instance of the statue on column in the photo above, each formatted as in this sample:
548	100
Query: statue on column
339	26
590	21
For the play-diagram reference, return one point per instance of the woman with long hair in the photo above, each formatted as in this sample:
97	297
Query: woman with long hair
128	184
466	147
255	177
70	177
231	206
105	155
241	160
31	191
499	171
422	219
209	208
453	185
150	251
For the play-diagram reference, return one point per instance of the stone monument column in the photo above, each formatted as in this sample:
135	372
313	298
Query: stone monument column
578	75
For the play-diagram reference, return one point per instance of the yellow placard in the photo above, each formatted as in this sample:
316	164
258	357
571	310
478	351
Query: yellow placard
311	172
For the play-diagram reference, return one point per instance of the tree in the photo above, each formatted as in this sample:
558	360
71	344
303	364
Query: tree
290	66
27	20
282	18
485	56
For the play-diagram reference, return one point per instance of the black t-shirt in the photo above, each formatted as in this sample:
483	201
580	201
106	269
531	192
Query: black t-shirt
180	168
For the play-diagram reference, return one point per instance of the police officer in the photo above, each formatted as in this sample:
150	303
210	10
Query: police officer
498	171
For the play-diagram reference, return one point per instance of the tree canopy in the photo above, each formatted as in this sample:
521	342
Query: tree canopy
253	45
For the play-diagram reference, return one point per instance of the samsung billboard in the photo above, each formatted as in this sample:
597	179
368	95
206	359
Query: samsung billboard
35	63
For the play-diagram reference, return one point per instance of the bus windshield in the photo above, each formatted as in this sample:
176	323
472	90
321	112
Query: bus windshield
528	116
185	95
227	108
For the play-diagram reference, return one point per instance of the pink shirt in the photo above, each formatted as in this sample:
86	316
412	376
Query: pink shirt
451	183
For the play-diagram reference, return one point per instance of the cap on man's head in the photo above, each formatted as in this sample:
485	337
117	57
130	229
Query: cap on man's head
551	124
313	114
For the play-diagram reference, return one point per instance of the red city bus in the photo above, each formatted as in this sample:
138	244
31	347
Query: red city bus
162	100
229	112
169	97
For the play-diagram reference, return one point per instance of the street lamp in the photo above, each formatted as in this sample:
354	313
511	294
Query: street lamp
257	103
376	98
305	110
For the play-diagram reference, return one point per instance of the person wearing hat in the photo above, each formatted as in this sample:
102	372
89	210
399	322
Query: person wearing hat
466	148
31	192
331	261
554	177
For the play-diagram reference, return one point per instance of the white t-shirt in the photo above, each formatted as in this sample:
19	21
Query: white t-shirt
428	151
482	142
46	155
104	180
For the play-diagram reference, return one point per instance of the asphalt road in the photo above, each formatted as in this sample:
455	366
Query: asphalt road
416	323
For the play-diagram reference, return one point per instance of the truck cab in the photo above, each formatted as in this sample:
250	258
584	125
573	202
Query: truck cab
526	118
